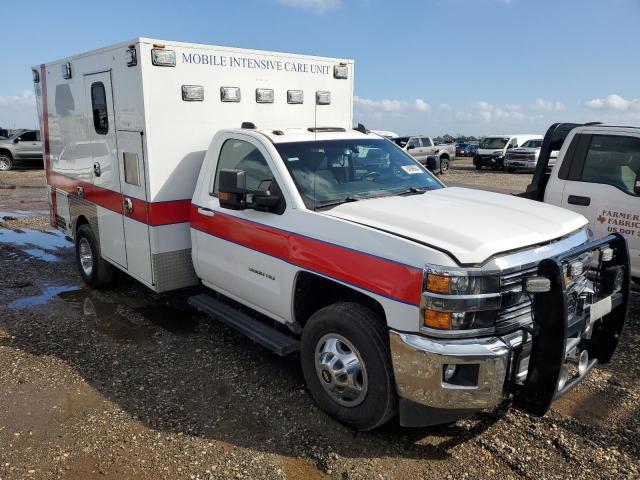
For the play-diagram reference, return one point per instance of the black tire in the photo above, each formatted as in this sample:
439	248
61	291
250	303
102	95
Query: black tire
102	272
6	162
478	167
444	165
370	337
510	169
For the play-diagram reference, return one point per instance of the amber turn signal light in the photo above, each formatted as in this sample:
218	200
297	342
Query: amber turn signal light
436	319
438	283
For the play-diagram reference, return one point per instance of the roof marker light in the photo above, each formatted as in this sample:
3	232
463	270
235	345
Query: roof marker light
131	56
341	71
163	58
264	95
323	98
230	94
192	93
537	284
66	70
295	96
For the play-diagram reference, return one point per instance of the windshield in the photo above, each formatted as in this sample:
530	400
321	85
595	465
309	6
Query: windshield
494	142
532	144
337	171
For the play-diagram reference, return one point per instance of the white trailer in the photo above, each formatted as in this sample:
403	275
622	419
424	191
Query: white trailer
126	128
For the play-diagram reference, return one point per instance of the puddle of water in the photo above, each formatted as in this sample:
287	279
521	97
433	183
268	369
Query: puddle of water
48	292
122	329
23	213
49	240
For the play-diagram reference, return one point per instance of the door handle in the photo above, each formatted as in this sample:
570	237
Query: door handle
128	205
206	212
579	200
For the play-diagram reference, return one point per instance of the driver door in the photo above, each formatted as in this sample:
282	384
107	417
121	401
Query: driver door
240	252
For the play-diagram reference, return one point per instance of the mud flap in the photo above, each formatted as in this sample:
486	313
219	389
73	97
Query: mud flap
551	328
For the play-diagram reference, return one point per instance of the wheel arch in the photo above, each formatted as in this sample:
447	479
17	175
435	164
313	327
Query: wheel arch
311	292
6	151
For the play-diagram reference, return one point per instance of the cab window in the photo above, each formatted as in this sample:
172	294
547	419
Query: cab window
241	155
28	137
613	160
426	142
413	142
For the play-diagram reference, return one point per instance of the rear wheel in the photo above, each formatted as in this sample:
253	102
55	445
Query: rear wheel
347	365
95	271
6	162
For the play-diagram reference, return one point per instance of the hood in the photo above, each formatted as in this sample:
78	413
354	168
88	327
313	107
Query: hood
471	225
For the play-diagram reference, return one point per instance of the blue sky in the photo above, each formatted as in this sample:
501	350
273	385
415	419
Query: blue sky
422	66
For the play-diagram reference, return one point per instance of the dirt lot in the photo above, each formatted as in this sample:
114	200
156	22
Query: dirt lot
126	384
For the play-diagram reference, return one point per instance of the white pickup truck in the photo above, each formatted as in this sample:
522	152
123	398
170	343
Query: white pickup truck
435	157
596	174
400	295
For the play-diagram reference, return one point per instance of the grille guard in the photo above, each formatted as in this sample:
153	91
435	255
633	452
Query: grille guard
551	329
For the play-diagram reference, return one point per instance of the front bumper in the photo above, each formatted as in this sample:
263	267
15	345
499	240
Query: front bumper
534	365
488	160
525	164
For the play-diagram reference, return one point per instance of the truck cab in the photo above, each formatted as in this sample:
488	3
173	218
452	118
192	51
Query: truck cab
596	174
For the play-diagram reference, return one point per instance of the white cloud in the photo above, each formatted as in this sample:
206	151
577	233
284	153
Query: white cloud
488	112
548	105
318	6
421	105
388	105
613	102
18	110
444	106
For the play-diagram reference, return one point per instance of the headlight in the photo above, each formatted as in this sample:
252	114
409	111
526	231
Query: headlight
498	153
460	300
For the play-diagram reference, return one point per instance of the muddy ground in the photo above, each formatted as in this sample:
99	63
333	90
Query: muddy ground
127	384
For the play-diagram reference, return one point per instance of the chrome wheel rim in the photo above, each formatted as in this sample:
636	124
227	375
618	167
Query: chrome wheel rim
4	163
86	257
341	370
445	166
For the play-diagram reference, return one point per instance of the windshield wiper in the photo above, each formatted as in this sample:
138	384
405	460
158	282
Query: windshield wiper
333	203
411	191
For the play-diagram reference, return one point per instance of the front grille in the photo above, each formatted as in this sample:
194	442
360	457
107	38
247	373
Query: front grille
521	156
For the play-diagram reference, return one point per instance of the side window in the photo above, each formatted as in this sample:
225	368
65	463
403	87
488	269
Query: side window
99	108
426	142
513	143
28	137
413	142
241	155
613	160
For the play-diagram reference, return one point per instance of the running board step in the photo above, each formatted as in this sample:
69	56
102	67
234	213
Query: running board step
261	333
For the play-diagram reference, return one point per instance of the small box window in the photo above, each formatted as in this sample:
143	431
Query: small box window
131	168
99	108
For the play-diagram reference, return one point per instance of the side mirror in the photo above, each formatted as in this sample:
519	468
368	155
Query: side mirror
410	147
636	186
16	140
232	189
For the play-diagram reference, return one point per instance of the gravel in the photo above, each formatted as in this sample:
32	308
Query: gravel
123	383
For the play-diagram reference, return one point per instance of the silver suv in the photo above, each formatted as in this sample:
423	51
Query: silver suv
22	147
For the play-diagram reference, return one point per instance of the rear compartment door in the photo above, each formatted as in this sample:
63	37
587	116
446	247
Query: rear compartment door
101	144
134	203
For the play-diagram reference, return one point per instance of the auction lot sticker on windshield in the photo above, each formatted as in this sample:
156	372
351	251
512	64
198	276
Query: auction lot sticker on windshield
411	169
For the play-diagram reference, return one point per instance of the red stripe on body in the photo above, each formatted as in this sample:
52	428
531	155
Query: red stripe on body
377	275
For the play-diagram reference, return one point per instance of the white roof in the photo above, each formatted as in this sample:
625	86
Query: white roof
286	135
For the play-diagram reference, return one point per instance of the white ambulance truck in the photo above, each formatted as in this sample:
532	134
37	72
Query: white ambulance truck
239	170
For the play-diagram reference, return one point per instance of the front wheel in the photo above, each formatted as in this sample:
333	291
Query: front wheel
346	363
444	165
95	270
6	162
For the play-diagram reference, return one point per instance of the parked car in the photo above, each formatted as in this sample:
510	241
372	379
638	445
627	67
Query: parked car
472	147
492	149
526	157
435	157
597	174
23	147
461	149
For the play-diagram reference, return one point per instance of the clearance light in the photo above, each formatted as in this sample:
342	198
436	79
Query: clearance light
131	56
323	98
36	76
537	284
295	96
264	95
192	93
230	94
163	58
66	70
341	71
